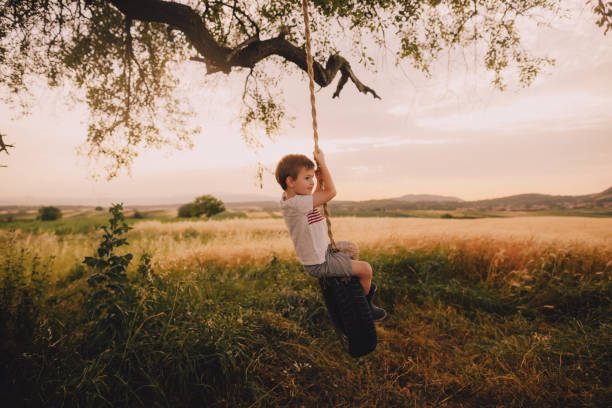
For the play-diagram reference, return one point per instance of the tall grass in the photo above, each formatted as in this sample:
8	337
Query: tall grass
259	240
475	320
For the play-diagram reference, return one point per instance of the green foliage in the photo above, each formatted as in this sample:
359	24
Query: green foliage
204	205
107	304
23	285
208	205
187	210
128	70
49	213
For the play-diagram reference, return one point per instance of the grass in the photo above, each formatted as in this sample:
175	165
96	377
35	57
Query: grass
489	312
63	226
231	241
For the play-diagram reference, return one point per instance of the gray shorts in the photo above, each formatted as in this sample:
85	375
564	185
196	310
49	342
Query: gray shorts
337	264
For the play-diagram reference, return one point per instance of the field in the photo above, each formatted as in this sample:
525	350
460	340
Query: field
511	312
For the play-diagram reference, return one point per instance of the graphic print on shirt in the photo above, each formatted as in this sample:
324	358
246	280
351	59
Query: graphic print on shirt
314	216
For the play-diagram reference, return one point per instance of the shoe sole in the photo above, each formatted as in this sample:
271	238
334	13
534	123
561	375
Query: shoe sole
381	318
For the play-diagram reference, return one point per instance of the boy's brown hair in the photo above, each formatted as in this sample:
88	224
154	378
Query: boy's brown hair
290	165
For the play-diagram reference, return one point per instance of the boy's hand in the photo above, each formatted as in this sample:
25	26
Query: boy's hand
319	157
321	196
319	178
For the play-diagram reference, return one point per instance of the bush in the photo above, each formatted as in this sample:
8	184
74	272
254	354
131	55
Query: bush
107	305
206	204
98	208
49	213
187	210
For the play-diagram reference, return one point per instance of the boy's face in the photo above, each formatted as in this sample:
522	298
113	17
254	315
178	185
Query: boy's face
304	183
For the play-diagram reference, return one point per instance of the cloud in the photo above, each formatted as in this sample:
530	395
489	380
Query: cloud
536	112
363	143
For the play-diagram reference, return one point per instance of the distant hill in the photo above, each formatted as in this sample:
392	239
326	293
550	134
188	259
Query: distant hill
413	198
520	202
542	202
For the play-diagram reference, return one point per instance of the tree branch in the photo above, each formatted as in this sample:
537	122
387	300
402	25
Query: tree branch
179	17
246	55
239	10
3	147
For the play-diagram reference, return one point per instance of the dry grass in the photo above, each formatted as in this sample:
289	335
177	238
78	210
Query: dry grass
257	240
239	241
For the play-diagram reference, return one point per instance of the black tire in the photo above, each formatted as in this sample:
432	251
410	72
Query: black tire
350	314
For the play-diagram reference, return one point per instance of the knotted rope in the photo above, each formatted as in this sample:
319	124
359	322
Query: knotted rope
314	113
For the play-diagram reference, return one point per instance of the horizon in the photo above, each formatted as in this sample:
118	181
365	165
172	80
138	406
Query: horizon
451	135
233	198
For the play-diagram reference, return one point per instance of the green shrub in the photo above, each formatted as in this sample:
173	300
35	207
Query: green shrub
208	205
49	213
107	305
203	205
187	211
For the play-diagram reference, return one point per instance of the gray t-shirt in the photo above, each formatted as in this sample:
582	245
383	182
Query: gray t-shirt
306	227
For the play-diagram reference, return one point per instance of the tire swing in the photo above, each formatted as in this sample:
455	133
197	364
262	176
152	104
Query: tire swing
344	297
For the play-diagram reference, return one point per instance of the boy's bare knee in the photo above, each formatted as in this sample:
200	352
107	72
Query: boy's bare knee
362	269
368	270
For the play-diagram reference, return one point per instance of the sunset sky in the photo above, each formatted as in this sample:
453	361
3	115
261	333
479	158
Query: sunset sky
453	134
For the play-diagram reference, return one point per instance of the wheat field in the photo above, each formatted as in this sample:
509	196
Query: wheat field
259	240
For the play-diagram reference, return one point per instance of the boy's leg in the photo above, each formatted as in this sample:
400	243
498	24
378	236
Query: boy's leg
363	271
349	248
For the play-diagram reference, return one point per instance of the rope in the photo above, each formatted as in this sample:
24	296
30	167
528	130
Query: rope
314	113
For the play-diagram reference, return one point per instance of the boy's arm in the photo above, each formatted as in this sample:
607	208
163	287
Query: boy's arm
321	196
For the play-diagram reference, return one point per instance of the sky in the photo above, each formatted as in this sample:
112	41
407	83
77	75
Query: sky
452	134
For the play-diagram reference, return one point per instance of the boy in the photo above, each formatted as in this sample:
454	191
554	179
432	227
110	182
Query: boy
296	175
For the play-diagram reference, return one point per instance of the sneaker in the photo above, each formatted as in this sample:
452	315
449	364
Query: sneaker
372	290
377	312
